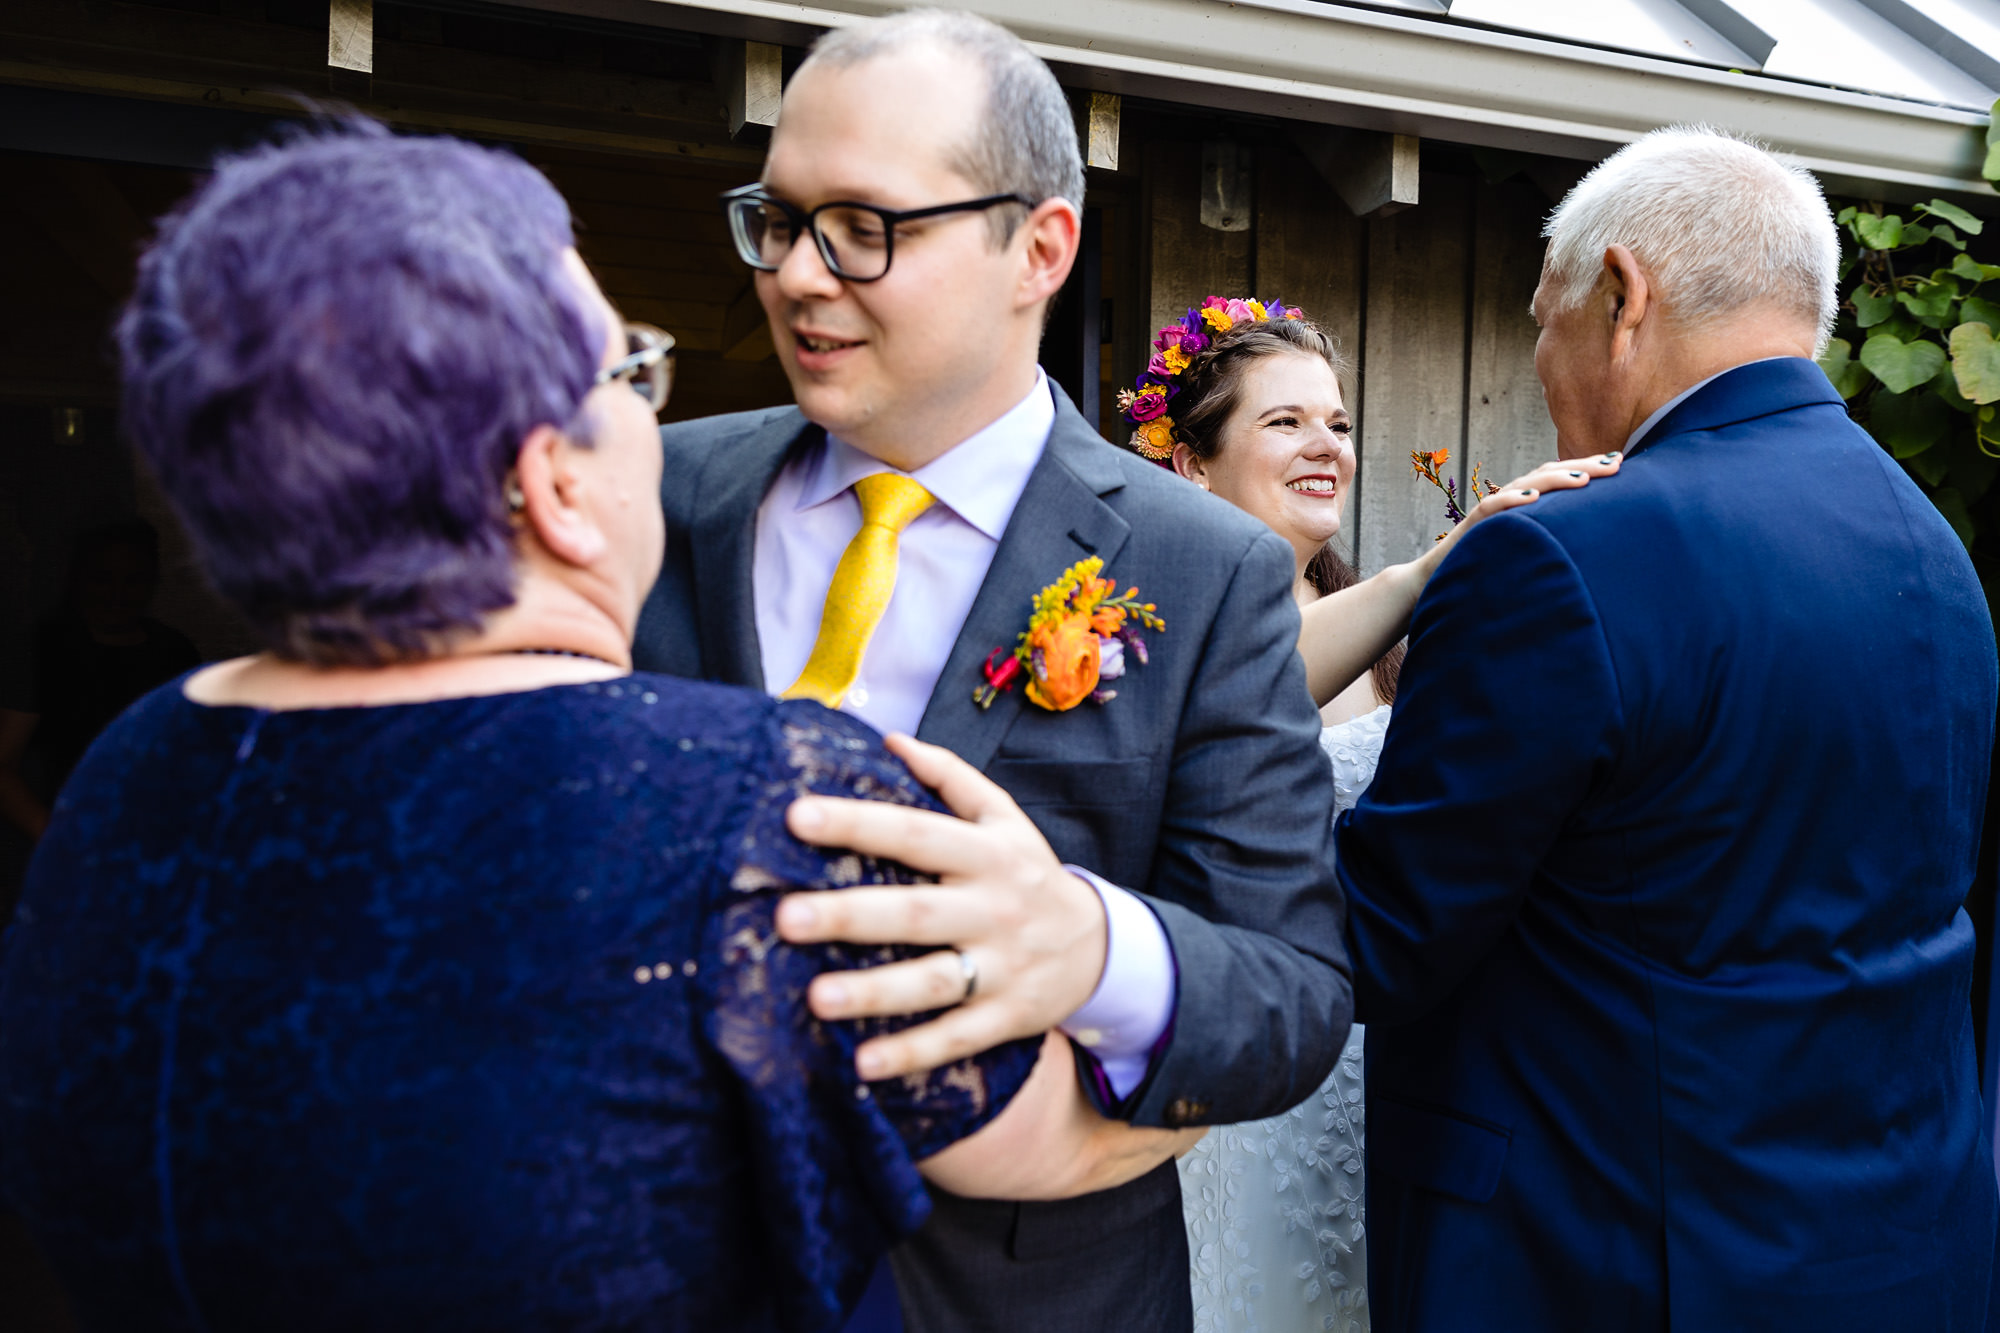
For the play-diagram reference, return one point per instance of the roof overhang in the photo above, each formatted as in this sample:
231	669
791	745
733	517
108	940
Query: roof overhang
1339	65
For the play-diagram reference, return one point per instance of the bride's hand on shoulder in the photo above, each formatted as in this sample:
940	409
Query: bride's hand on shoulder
1559	475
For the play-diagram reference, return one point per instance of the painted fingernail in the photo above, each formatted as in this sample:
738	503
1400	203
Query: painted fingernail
1576	474
1525	491
796	915
870	1065
807	817
1614	456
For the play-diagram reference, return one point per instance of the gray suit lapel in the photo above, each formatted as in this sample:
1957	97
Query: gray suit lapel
1059	521
732	485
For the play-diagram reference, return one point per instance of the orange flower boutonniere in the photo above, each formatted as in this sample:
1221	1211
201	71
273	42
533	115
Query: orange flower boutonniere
1078	639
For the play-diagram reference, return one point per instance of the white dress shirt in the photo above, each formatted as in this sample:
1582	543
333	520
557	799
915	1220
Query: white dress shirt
804	524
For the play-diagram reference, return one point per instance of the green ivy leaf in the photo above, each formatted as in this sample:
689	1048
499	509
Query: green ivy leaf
1953	214
1930	302
1848	375
1908	424
1879	233
1981	311
1915	233
1845	216
1871	308
1901	365
1975	362
1965	266
1952	505
1948	236
1992	168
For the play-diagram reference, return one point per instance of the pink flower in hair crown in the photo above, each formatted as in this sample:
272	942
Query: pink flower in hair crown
1149	403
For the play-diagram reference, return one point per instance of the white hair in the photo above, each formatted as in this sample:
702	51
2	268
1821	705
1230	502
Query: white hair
1718	223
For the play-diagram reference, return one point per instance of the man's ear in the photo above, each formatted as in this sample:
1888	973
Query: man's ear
1189	465
1051	235
1632	295
554	493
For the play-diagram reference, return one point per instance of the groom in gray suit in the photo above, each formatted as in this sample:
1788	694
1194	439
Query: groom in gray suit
874	546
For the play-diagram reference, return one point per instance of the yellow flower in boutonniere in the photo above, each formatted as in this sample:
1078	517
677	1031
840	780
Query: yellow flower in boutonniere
1078	636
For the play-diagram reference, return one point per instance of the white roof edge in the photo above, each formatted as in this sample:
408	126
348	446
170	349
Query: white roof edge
1306	60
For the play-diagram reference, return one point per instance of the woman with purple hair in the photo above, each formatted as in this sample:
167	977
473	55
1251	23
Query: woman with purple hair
419	972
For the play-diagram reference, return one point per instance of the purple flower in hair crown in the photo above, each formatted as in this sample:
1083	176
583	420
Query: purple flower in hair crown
1179	343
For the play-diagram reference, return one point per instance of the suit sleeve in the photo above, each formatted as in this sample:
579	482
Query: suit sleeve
1243	879
1507	714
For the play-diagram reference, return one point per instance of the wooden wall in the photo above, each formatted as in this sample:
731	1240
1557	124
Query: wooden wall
1430	304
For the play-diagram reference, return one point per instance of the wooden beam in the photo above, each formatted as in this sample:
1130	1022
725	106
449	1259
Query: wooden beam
1414	359
509	128
1375	174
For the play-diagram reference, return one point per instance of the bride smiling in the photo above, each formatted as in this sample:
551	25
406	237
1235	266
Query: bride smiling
1275	1209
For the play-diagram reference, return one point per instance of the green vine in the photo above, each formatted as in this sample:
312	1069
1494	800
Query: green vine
1925	315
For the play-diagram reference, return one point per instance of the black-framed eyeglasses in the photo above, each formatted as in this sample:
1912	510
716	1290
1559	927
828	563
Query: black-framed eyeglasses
648	367
857	241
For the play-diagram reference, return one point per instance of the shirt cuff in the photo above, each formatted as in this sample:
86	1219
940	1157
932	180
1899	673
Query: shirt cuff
1123	1021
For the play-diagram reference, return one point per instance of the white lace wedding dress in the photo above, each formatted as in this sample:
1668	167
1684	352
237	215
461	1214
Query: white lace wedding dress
1274	1208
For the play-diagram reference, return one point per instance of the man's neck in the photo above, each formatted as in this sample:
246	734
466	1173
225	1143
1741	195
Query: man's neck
907	445
1697	359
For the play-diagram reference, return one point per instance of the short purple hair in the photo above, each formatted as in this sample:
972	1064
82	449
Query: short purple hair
333	353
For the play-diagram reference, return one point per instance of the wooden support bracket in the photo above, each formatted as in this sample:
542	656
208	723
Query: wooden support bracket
751	76
1100	138
1228	185
350	46
1376	174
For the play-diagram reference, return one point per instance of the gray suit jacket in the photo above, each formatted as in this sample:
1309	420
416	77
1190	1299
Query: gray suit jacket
1201	786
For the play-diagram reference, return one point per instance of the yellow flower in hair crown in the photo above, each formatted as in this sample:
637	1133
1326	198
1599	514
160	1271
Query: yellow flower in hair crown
1145	405
1081	636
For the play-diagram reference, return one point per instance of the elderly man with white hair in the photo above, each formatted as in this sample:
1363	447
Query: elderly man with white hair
1654	901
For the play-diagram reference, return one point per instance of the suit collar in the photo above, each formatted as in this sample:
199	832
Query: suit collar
731	486
1744	393
1061	518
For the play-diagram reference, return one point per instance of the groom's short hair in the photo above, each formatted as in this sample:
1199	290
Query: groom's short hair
1026	142
1718	223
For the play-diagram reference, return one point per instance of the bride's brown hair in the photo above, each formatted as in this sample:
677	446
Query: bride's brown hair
1211	391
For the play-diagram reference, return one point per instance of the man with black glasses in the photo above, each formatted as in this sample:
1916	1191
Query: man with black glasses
1154	878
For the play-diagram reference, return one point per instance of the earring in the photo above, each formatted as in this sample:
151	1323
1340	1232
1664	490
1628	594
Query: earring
516	501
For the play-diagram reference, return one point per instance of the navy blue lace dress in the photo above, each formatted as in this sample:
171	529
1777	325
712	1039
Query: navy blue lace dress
456	1015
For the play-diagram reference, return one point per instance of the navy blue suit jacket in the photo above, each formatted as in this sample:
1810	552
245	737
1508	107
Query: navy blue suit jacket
1655	899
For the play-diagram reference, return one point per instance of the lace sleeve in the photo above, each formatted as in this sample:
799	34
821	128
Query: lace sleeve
822	1138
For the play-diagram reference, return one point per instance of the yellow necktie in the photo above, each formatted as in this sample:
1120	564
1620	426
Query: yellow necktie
862	582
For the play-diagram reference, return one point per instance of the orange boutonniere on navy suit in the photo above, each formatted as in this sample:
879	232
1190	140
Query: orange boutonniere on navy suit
1081	635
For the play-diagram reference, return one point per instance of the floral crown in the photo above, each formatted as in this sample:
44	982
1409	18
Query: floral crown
1174	351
